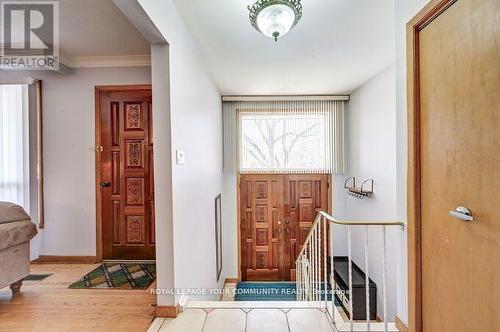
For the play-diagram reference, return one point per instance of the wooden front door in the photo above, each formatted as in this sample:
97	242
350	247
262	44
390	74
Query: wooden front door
126	183
305	195
276	213
458	129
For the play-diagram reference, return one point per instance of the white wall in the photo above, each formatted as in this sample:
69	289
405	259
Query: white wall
393	188
162	137
230	225
69	158
196	129
404	11
371	128
339	203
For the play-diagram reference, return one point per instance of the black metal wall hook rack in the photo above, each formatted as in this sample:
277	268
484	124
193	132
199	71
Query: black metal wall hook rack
366	189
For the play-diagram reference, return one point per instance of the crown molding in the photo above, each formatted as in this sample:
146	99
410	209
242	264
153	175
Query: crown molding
98	61
110	61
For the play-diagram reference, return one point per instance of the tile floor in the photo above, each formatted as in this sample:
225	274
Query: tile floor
245	320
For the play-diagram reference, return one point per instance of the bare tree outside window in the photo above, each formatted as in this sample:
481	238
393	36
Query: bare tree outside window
279	141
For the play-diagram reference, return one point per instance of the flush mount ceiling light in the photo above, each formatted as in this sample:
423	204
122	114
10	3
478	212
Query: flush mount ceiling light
274	18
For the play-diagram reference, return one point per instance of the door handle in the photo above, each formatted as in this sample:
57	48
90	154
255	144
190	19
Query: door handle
105	184
462	213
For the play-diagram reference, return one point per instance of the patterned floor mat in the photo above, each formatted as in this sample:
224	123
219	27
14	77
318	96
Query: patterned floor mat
118	276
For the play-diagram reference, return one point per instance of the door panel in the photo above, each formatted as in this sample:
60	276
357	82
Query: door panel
260	212
305	195
276	213
127	175
460	166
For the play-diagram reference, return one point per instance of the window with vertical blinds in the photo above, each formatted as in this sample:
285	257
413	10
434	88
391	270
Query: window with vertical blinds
287	136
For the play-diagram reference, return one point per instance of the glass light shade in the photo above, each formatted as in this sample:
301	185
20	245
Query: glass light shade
276	20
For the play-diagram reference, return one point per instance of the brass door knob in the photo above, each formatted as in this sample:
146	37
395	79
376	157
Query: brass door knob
105	184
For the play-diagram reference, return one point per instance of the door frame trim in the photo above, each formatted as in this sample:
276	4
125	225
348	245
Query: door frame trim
413	28
98	90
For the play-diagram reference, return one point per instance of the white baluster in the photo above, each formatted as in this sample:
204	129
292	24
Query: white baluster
332	276
325	270
310	270
316	260
301	274
384	271
318	271
299	294
349	263
300	278
303	268
297	281
318	276
314	266
305	274
367	281
311	267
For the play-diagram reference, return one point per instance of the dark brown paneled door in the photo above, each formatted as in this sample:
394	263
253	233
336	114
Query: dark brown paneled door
305	195
276	214
261	212
127	175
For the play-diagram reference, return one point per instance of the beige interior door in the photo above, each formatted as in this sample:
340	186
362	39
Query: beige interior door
460	166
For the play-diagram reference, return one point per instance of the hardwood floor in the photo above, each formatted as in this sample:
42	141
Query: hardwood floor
49	305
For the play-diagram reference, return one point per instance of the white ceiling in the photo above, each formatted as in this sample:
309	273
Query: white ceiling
336	47
97	28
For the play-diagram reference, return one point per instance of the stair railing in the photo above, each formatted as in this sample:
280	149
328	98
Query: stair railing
316	260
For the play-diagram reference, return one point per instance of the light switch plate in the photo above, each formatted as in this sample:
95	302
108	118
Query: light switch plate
180	157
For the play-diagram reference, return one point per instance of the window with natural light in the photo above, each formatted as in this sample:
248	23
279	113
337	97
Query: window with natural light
281	141
14	144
